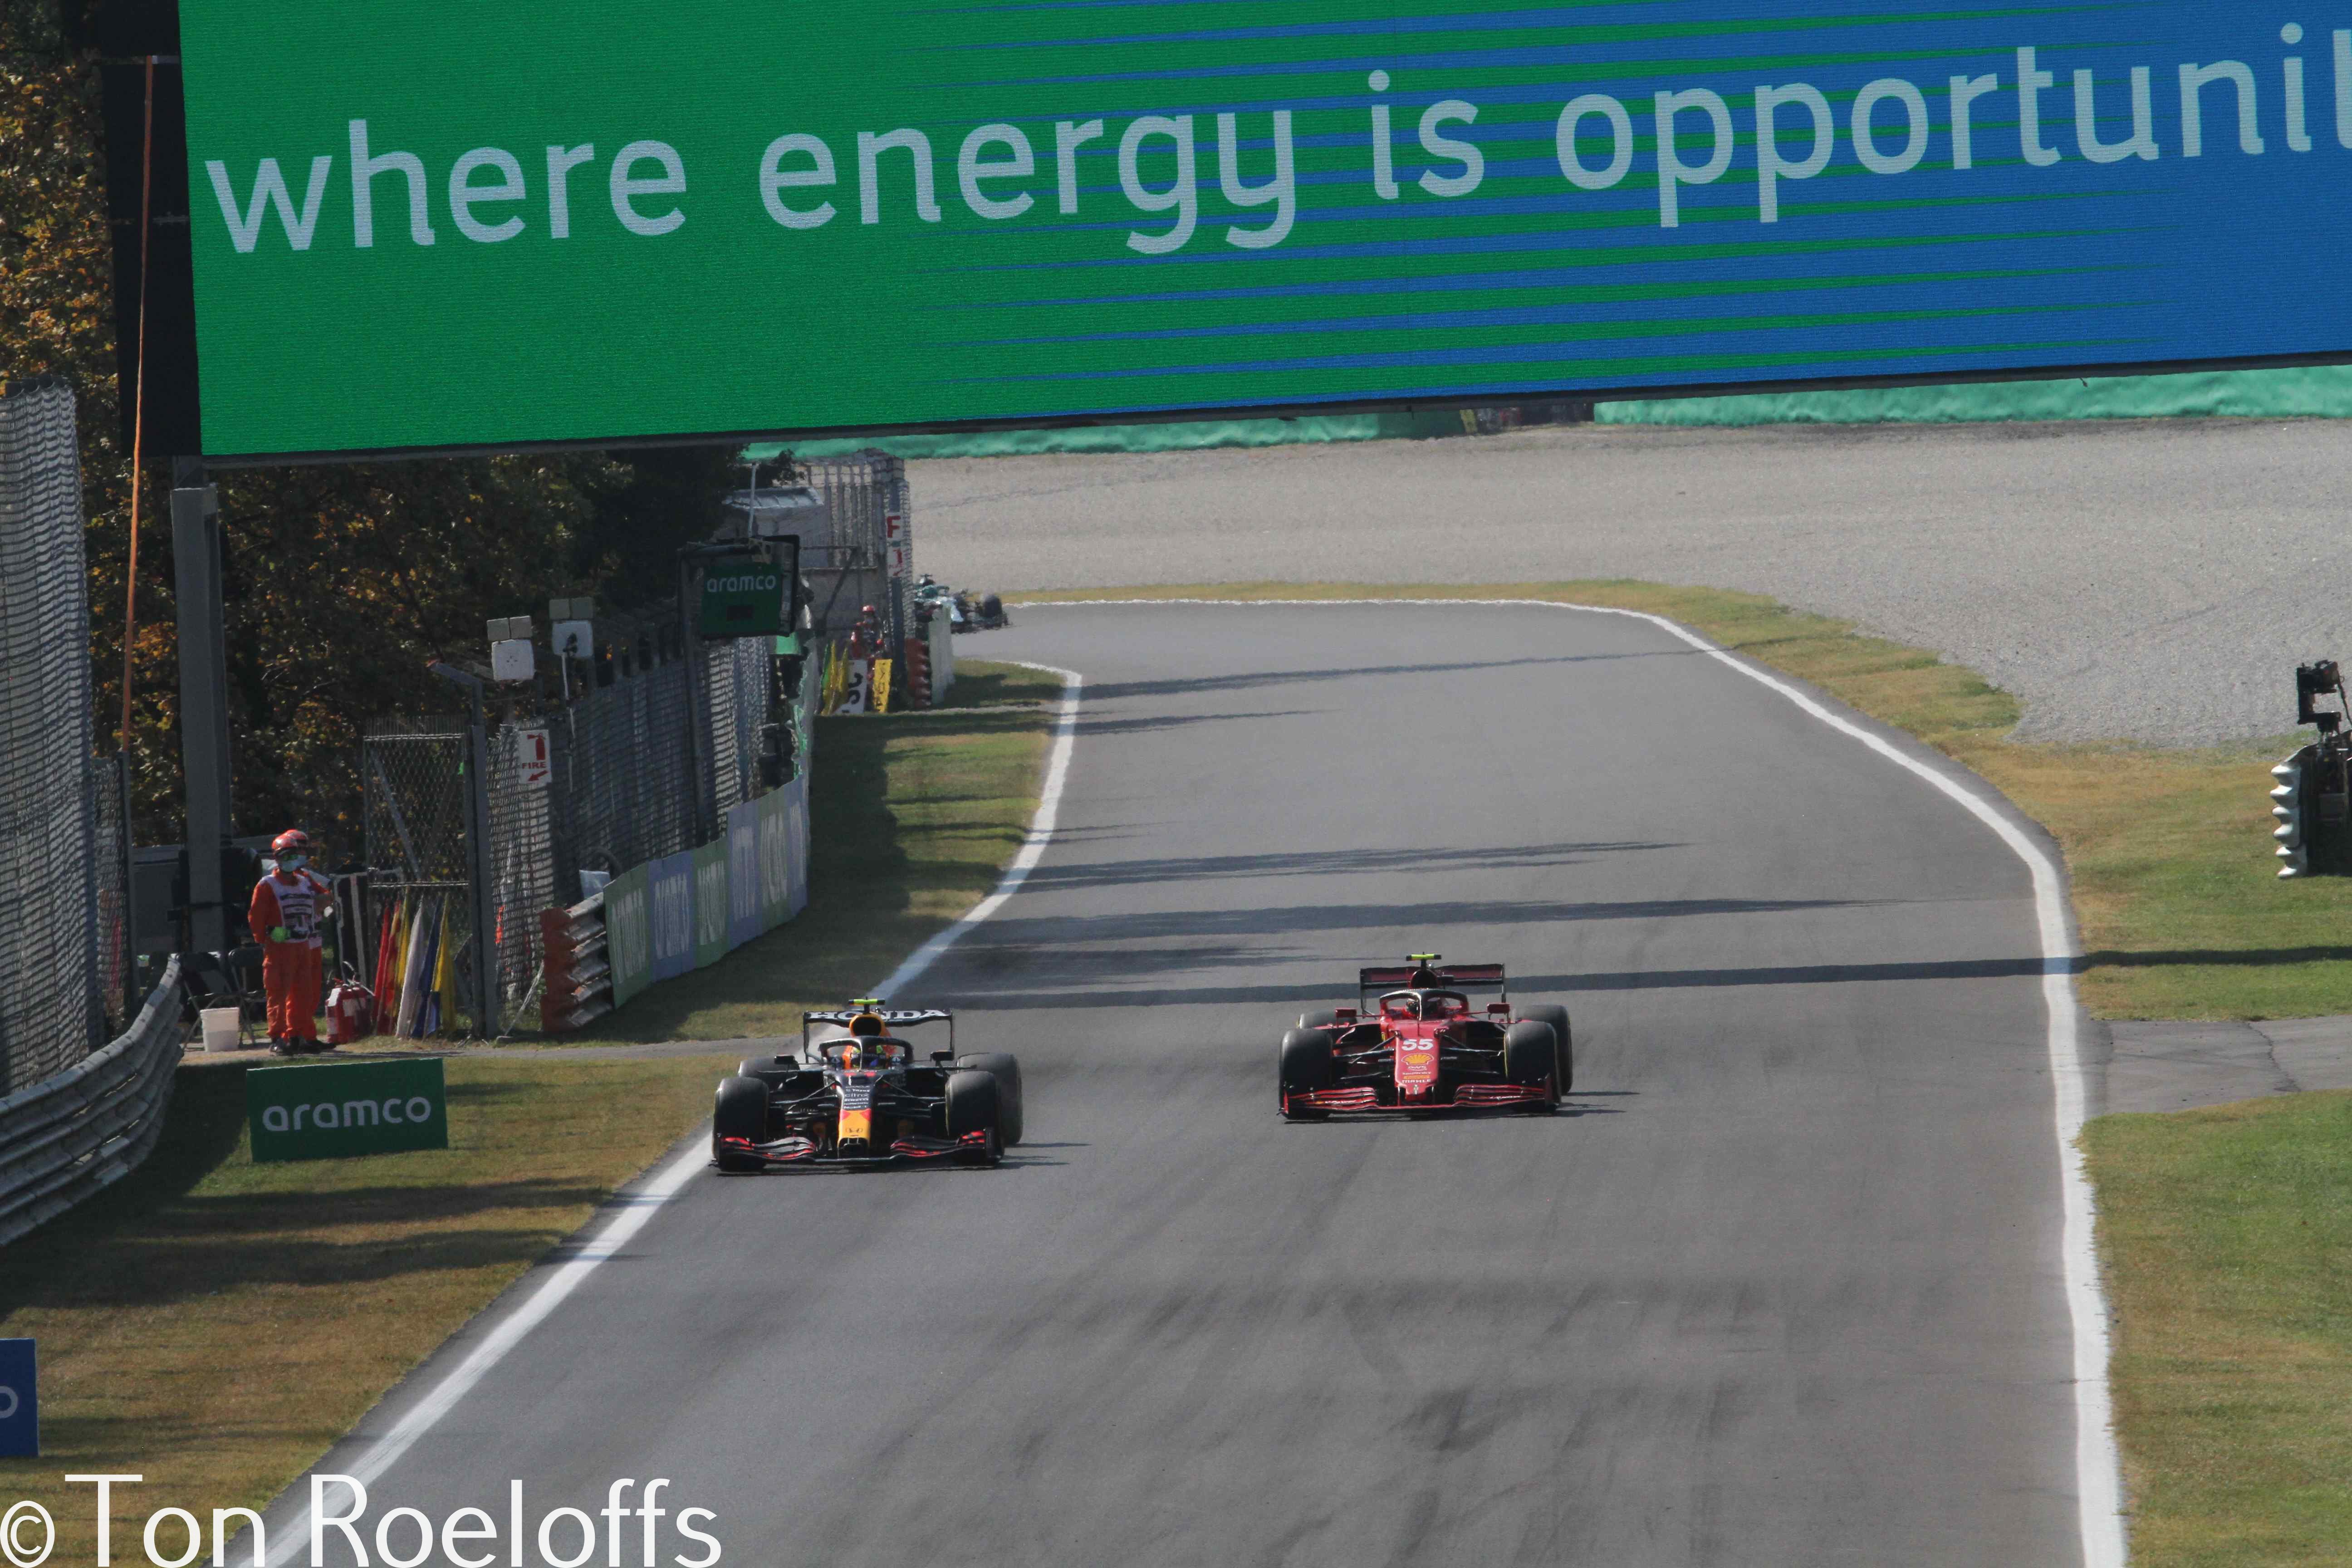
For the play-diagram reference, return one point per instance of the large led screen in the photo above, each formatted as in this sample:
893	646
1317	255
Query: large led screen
426	224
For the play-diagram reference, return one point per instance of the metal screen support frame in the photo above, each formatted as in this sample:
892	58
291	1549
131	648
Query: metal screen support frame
478	848
204	699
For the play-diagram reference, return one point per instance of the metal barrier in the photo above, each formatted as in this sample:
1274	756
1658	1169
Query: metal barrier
578	974
88	1127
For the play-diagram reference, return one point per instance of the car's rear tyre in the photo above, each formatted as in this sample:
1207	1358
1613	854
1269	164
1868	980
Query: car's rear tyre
1006	1071
1531	1058
741	1111
1555	1015
1303	1065
973	1106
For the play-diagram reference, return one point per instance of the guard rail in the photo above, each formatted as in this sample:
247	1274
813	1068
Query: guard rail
68	1136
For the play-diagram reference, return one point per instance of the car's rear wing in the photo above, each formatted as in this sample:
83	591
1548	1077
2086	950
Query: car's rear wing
893	1019
1452	976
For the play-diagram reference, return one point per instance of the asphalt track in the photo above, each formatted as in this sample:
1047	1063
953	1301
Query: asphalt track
1783	1286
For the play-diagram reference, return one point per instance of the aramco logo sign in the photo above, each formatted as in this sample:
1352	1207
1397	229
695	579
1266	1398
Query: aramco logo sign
743	595
330	1112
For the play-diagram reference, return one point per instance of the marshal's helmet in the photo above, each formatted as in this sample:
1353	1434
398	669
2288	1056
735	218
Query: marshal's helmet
292	848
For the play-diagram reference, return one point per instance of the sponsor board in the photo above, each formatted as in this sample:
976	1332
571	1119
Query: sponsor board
629	933
335	1110
710	903
1035	213
20	1401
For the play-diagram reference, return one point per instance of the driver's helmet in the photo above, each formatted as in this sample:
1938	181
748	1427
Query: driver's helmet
1404	1004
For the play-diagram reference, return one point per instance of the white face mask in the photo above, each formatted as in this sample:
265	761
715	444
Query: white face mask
292	862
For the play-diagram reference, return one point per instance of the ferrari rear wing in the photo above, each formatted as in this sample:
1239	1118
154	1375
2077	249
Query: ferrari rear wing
1452	976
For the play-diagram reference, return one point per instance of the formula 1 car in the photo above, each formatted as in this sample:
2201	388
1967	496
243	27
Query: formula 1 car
1415	1043
966	612
856	1094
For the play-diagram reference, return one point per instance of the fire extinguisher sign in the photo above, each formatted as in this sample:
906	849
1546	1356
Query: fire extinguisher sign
534	758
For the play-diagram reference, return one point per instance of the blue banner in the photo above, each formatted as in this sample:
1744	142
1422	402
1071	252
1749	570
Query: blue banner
669	882
20	1401
743	873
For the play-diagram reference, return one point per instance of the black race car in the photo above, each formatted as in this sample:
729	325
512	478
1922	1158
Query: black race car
856	1094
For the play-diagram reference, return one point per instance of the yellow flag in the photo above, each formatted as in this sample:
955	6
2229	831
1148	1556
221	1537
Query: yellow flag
881	704
445	977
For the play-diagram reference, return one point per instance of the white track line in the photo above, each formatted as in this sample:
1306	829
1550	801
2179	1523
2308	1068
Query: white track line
1041	828
630	1213
2098	1479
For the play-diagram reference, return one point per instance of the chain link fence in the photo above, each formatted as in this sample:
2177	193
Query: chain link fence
63	867
849	559
415	815
626	773
641	763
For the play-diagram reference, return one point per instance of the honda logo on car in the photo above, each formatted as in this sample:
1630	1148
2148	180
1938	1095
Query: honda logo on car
327	1112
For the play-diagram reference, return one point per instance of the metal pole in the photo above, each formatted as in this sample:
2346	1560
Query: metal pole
697	703
203	698
478	845
129	870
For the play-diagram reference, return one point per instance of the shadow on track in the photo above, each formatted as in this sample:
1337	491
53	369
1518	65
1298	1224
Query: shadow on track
1012	995
1328	863
1109	691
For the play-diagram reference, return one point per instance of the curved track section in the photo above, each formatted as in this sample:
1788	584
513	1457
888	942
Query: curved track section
1782	1286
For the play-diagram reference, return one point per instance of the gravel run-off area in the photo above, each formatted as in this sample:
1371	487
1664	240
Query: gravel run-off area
2152	581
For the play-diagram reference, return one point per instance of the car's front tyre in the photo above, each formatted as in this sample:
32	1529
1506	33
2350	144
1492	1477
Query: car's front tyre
741	1111
1001	1067
972	1106
1303	1065
1531	1058
1555	1015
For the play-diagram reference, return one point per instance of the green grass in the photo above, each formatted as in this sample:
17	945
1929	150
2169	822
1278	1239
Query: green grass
215	1325
2228	1242
2182	909
914	816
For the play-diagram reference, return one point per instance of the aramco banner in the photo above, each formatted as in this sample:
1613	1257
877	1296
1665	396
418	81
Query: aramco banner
424	224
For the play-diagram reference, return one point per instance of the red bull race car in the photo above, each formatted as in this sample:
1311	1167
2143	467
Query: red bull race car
856	1094
1416	1042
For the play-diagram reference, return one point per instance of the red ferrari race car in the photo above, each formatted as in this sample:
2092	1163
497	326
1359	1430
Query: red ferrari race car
1415	1042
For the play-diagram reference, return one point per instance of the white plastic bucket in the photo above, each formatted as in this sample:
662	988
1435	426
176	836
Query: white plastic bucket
220	1028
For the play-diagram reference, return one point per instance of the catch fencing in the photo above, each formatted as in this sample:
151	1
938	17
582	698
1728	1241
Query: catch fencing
64	861
644	753
861	550
642	768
